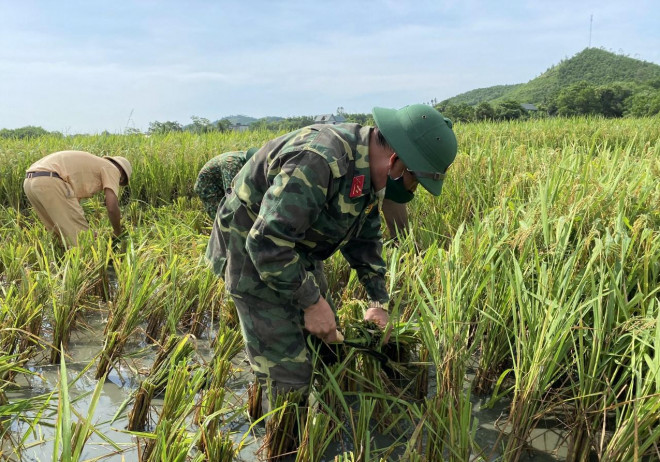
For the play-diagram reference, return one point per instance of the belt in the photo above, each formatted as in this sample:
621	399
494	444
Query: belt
36	174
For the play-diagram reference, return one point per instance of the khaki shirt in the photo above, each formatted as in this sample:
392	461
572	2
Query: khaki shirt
86	173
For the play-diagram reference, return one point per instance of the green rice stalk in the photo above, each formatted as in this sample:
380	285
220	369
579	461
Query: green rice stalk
71	286
227	344
29	411
177	350
218	445
173	440
255	394
63	433
596	345
206	295
20	324
283	425
172	443
543	322
450	331
637	422
139	290
175	301
10	365
330	393
84	427
360	428
318	432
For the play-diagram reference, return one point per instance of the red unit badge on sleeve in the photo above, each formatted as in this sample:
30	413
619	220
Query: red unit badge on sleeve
356	186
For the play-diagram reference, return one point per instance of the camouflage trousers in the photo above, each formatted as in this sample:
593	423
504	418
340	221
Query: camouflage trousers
277	343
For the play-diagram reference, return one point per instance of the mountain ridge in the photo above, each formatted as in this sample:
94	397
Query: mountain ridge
593	65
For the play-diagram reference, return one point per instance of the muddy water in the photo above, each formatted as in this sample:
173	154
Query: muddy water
85	344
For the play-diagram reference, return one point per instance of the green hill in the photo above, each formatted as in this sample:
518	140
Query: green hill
593	65
247	120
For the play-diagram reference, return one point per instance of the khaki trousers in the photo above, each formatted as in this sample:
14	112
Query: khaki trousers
56	206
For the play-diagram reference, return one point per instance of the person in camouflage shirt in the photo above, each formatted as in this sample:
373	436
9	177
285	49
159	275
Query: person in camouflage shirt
299	199
216	176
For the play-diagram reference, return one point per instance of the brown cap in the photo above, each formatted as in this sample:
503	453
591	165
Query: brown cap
123	163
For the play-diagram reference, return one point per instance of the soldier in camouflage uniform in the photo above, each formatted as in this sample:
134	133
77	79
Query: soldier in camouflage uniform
304	196
216	176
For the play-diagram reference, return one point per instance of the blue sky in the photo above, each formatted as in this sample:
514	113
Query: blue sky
88	66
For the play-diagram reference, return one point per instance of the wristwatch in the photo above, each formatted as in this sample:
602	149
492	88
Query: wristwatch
382	306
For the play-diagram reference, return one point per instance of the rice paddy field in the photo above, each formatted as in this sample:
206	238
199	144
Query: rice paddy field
525	302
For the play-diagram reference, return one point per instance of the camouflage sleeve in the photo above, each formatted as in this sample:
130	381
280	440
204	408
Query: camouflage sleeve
364	254
293	201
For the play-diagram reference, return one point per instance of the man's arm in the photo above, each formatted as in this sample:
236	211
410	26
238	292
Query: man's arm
112	205
364	254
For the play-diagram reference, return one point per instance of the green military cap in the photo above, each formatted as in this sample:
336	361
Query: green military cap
423	138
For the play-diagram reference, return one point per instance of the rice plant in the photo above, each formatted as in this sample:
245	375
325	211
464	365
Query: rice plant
20	323
542	323
175	351
214	413
139	291
173	440
318	432
72	436
70	290
284	426
636	430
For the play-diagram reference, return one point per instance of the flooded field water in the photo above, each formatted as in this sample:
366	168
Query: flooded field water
548	445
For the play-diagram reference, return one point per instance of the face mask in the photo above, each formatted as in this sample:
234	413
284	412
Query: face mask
397	192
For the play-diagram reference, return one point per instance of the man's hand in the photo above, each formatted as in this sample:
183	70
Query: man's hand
118	241
320	321
381	318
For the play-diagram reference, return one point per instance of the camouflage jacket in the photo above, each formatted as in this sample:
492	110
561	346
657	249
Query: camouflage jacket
304	196
215	178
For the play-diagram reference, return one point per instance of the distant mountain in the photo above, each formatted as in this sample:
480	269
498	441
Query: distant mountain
594	65
246	120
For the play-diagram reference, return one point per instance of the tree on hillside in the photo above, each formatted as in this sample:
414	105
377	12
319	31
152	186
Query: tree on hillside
578	99
223	125
509	110
288	124
362	119
484	111
458	112
159	128
201	125
612	99
644	103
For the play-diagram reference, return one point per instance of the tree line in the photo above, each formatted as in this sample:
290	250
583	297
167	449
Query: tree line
579	99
